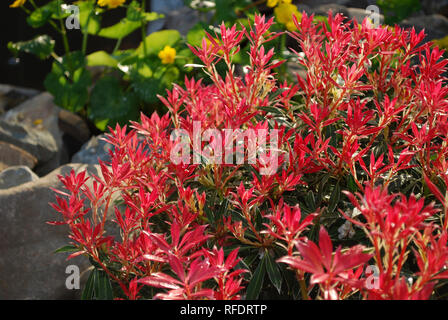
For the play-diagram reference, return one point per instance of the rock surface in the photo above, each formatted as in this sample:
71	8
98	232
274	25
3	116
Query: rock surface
73	125
361	14
16	176
435	6
347	3
11	96
10	156
29	268
40	143
90	152
42	114
435	25
177	16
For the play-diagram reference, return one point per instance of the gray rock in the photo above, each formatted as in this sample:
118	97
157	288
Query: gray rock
435	6
11	96
177	16
90	152
29	267
361	14
74	126
325	8
182	19
41	113
15	176
347	3
435	25
11	155
40	143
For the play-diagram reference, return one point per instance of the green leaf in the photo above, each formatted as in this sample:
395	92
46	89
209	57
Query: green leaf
146	89
224	12
88	291
134	12
196	34
273	272
273	110
310	201
397	10
156	41
352	186
68	82
108	101
89	19
42	15
150	79
68	248
101	58
169	76
103	288
335	197
125	27
41	46
73	62
119	30
256	283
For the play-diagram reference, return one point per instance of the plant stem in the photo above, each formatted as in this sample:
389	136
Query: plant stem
117	45
303	287
143	30
64	37
85	30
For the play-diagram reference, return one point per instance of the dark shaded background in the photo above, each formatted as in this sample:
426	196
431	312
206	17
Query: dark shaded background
29	71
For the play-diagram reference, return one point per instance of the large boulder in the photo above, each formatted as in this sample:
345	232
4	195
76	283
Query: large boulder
29	268
15	176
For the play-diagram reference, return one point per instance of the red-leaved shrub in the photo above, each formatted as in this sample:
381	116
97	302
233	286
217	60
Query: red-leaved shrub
332	187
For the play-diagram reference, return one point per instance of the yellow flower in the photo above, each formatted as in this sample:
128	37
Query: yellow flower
273	3
209	43
17	3
111	4
167	55
284	13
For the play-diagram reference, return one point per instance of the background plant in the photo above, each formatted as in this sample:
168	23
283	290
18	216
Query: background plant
128	79
395	11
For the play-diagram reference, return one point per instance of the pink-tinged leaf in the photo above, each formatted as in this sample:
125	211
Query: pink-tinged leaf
311	255
435	190
326	247
297	263
75	254
177	266
152	257
204	293
161	280
158	241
